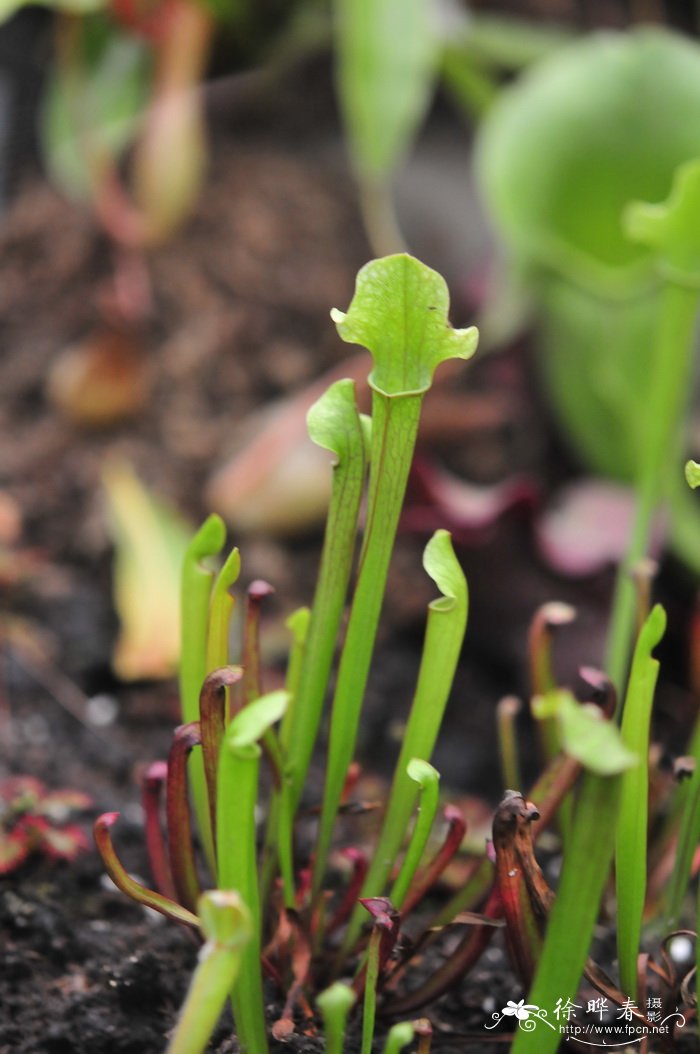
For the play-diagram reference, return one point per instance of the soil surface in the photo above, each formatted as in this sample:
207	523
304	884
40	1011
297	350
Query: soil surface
238	317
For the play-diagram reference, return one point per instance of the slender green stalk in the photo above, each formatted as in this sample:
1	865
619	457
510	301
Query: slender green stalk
669	229
456	829
447	618
239	765
697	944
632	822
688	839
570	927
279	832
335	1005
478	883
220	611
548	619
506	715
686	801
369	1010
399	312
428	779
285	840
395	425
334	424
195	590
298	626
225	923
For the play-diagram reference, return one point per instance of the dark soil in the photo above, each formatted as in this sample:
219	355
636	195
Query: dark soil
240	317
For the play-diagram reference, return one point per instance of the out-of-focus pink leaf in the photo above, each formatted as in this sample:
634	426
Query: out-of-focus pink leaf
585	528
438	498
277	480
15	791
63	843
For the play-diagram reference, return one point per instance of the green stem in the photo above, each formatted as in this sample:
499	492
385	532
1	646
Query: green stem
688	836
429	781
195	591
506	715
447	618
570	927
379	215
370	1003
225	923
237	870
236	844
663	415
394	429
632	834
300	729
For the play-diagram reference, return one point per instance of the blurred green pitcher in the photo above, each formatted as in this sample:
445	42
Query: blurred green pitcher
603	122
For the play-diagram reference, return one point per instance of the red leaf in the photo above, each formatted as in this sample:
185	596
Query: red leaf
63	843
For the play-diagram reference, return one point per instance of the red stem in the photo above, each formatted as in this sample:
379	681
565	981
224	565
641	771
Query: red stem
257	591
212	717
468	952
453	839
154	779
347	904
180	846
123	880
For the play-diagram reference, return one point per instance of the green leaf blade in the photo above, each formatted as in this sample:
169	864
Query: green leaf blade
399	312
631	835
387	63
570	925
447	621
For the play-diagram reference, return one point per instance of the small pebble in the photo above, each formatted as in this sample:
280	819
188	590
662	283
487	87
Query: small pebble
101	711
681	949
133	813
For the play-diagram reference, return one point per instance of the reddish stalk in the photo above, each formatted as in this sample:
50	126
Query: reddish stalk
346	907
154	779
298	946
524	894
123	880
424	1030
551	788
180	846
456	830
548	619
602	689
465	955
212	717
252	677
